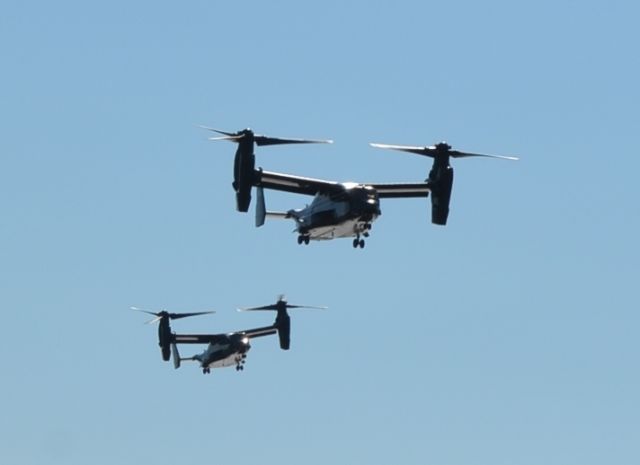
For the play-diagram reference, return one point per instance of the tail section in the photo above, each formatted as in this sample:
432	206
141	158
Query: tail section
176	356
261	209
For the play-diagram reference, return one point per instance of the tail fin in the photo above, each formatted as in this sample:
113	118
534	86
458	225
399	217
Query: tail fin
261	209
176	356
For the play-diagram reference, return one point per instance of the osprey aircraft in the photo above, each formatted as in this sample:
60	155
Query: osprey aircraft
338	209
225	349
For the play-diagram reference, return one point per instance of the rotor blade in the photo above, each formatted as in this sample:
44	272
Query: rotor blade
405	148
231	138
224	133
177	316
265	140
153	320
457	154
253	309
275	307
144	311
307	306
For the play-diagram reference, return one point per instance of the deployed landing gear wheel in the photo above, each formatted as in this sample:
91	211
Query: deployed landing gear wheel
356	242
302	239
361	243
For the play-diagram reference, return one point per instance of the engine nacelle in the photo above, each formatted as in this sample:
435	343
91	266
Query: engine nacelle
243	200
166	352
165	338
442	183
243	174
283	325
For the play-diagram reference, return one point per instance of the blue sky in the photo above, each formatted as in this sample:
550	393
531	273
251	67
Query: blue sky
507	337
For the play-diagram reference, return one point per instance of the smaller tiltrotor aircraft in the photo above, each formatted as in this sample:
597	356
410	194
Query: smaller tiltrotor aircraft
338	209
223	350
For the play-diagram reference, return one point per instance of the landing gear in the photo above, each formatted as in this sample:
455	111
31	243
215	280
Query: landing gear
303	239
206	370
240	362
364	230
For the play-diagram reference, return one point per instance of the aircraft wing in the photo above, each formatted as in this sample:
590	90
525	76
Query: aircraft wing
295	184
198	338
259	332
400	190
213	338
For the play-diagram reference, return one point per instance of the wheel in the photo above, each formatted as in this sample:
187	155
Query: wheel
355	243
361	243
300	239
306	240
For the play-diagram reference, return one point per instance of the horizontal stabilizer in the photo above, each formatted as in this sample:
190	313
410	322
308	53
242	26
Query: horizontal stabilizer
261	210
278	215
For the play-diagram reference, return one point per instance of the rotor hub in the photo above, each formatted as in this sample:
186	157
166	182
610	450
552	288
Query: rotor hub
443	147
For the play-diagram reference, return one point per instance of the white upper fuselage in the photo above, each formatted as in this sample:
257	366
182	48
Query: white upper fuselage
223	354
332	216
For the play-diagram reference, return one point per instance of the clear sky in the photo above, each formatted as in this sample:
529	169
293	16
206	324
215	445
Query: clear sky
507	337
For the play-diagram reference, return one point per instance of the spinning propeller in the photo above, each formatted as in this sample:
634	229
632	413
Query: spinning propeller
279	306
245	175
434	151
165	336
170	316
440	178
283	321
248	135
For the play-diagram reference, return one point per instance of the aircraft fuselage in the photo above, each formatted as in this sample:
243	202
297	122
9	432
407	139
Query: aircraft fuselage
345	214
220	354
